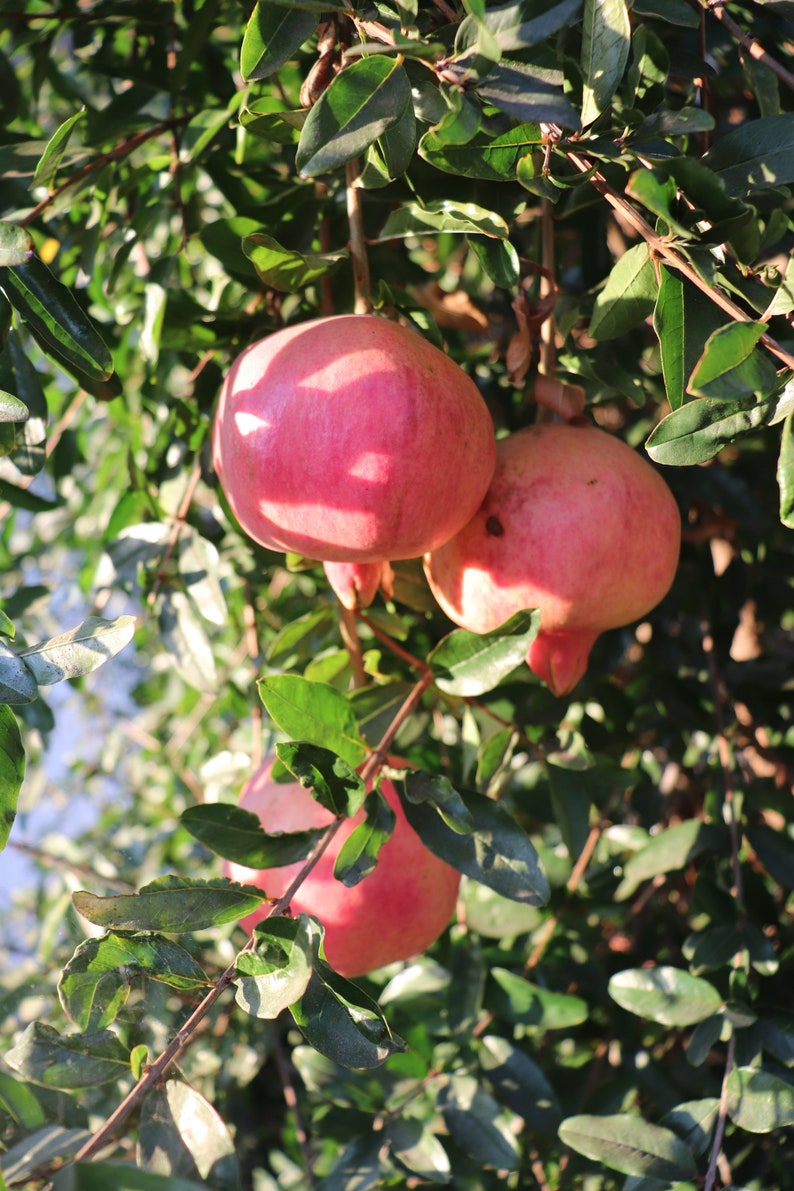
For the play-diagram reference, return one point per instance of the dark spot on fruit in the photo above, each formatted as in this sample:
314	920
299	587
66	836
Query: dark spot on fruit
589	482
494	527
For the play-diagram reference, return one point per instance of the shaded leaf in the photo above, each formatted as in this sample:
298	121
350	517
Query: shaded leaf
418	1149
237	835
493	159
630	1145
528	93
667	995
68	1061
342	1022
785	473
700	429
730	367
668	851
496	851
683	319
79	651
469	664
170	904
181	1135
17	684
520	1083
628	297
759	1101
755	155
12	771
51	158
478	1124
19	1101
48	1145
334	783
186	639
124	1176
439	792
606	38
271	37
522	1001
315	712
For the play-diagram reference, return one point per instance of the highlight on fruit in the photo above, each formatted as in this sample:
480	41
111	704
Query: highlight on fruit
354	441
394	913
576	524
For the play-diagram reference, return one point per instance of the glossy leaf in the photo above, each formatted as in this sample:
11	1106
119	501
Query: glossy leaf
683	319
630	1145
95	983
494	160
756	155
68	1061
667	995
12	771
334	783
56	147
124	1176
286	270
512	32
12	409
628	297
694	1122
478	1124
759	1101
315	712
181	1135
79	651
340	1021
276	974
731	366
438	792
358	855
538	1008
606	37
469	664
496	851
170	904
443	215
56	318
700	429
361	103
237	835
272	35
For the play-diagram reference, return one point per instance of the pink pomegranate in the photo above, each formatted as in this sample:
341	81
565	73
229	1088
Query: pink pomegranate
576	524
397	911
354	441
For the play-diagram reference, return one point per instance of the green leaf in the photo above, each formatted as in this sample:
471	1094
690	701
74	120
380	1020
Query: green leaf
20	1103
683	320
478	1124
730	366
496	851
358	855
519	1083
606	38
499	260
528	93
272	35
341	1022
694	1122
95	983
315	712
50	160
469	664
78	652
630	1145
658	193
418	1149
237	835
334	783
68	1061
512	32
181	1135
17	684
361	103
628	297
286	270
540	1009
16	245
12	409
56	318
276	974
439	792
700	429
669	851
443	215
186	639
12	771
755	155
665	995
123	1176
51	1144
492	159
170	904
759	1101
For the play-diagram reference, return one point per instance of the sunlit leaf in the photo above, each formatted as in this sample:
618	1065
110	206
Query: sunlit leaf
759	1101
541	1009
12	771
79	651
181	1135
170	904
275	975
68	1061
334	783
755	155
286	270
628	297
667	995
472	663
271	36
56	147
606	37
16	245
443	215
315	712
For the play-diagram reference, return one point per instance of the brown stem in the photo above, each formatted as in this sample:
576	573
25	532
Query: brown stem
753	47
662	249
349	631
358	243
548	350
722	1118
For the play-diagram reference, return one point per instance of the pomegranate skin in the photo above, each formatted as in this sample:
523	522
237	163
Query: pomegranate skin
576	524
397	911
351	439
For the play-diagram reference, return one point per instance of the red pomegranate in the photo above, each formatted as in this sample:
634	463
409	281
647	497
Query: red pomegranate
354	441
576	524
397	911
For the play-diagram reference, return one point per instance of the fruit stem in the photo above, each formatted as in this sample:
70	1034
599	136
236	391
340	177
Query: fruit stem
358	243
350	638
548	351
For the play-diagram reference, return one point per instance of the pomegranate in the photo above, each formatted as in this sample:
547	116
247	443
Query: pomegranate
576	524
354	441
397	911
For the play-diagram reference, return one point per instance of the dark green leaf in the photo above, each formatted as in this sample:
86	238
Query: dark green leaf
359	853
275	975
775	849
50	1144
694	1122
171	904
478	1124
272	35
759	1101
80	651
512	31
683	320
571	799
538	1008
606	38
700	429
499	260
56	147
315	712
443	215
361	103
180	1135
286	270
20	1102
756	155
731	366
630	1145
528	93
334	783
237	835
667	995
520	1083
123	1176
68	1061
96	981
469	664
12	771
439	792
342	1022
496	851
56	317
668	851
418	1149
628	297
493	159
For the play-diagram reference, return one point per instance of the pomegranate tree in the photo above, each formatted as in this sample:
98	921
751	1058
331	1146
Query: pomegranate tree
397	911
353	441
576	524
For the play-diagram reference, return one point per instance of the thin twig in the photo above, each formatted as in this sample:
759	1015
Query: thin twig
291	1101
722	1117
350	638
753	47
176	529
358	242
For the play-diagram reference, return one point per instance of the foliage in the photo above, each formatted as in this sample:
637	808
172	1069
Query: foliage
612	1006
